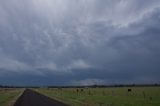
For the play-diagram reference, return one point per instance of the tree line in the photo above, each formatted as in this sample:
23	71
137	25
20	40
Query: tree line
90	86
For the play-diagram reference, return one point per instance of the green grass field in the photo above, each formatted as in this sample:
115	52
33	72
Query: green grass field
9	96
139	96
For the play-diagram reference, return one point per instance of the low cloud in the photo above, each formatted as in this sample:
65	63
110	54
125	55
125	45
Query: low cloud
88	82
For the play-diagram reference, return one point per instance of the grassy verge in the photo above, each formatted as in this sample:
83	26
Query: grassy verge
139	96
9	96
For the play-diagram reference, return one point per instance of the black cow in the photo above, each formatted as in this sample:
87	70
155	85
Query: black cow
129	90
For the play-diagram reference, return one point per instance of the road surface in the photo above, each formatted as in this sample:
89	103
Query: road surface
32	98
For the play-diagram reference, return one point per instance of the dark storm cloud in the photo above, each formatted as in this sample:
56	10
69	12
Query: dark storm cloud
79	41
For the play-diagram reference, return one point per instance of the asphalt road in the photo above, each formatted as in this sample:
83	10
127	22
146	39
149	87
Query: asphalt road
32	98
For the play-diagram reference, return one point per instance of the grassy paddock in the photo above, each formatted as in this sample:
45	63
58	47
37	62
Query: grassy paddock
8	96
139	96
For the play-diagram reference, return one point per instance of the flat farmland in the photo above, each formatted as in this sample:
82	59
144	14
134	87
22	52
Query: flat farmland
9	96
119	96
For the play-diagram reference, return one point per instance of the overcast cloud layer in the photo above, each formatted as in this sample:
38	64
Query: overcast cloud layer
81	42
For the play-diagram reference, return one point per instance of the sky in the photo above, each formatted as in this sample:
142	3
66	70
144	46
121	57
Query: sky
79	42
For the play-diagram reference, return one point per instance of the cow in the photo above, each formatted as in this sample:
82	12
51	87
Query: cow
129	90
